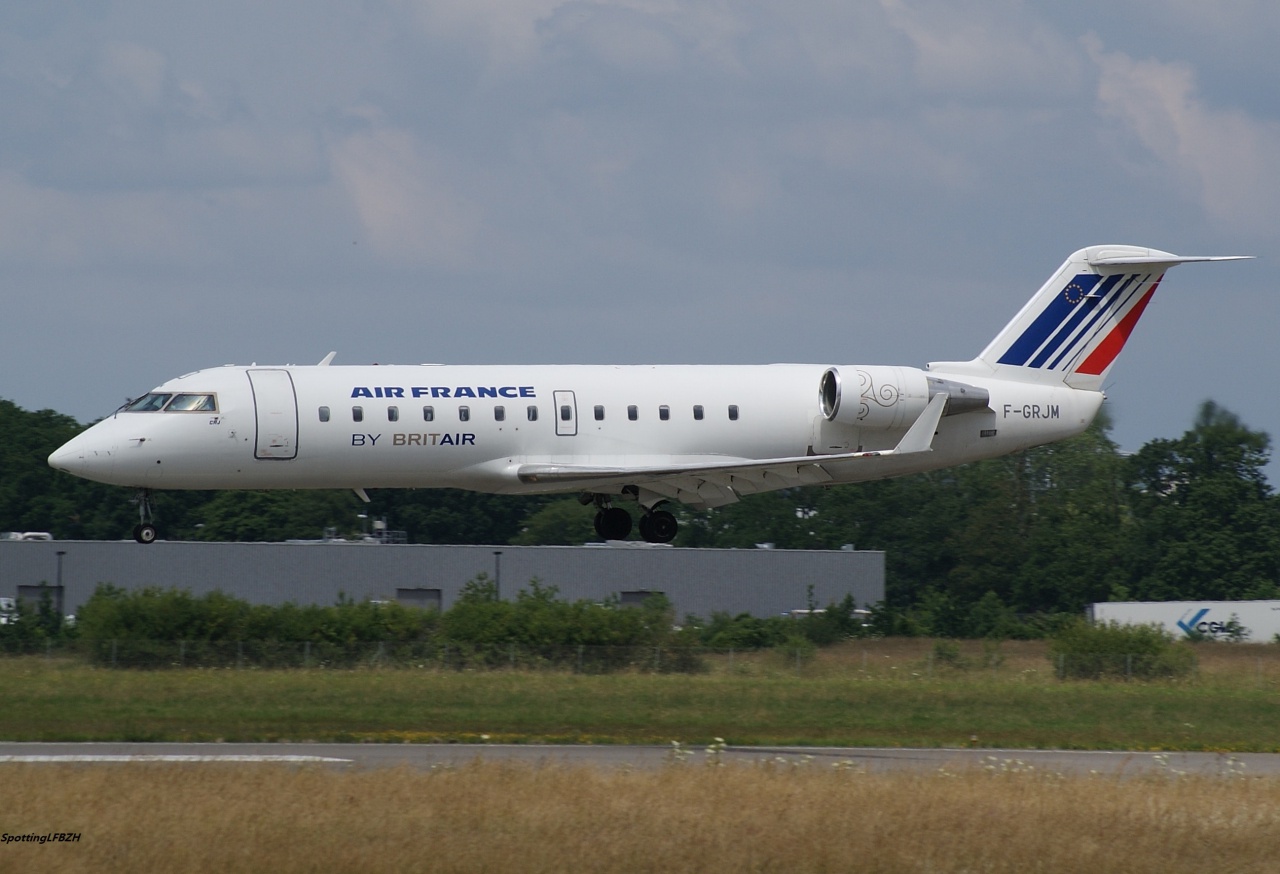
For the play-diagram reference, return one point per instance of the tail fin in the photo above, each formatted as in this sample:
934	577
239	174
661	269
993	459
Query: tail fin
1077	323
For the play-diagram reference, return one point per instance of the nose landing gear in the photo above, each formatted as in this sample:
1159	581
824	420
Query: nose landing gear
145	531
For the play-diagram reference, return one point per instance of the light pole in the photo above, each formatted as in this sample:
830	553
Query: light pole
497	573
61	553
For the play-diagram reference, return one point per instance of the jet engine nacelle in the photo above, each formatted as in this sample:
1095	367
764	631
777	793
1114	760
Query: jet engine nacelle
873	397
890	398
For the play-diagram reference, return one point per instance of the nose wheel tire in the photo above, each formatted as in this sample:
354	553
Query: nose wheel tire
658	527
145	530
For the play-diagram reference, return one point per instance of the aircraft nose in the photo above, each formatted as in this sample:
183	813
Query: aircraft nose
84	456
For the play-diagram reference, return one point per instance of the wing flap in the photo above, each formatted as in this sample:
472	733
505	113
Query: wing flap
714	483
763	474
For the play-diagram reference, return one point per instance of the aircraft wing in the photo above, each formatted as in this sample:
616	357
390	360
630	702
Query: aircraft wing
714	484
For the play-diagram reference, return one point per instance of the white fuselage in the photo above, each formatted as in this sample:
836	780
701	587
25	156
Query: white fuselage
424	426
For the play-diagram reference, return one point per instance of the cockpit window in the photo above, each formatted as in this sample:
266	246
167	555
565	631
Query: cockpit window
170	403
191	403
148	403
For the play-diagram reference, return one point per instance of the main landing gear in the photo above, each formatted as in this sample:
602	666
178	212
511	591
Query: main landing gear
658	526
614	523
145	531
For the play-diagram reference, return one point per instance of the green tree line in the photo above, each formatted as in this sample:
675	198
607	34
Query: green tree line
1044	531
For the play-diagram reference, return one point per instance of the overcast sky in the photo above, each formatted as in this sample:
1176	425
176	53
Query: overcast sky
468	181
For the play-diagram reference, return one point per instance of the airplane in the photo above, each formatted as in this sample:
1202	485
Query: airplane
700	435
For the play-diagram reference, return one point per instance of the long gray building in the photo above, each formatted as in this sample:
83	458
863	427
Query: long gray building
762	582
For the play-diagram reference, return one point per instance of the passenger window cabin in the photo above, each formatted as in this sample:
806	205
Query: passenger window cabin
532	413
464	414
393	414
664	412
697	412
499	414
599	413
357	414
428	414
633	412
733	412
324	414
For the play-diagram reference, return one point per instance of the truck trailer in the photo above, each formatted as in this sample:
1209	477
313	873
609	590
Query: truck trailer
1252	621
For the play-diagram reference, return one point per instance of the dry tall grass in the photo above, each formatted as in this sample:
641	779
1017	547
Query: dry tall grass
1247	665
686	817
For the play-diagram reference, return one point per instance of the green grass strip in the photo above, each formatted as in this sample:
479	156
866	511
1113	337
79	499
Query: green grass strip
62	701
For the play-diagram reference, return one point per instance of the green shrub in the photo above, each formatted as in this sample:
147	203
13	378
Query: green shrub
744	631
990	618
947	653
837	622
795	651
165	627
1085	650
156	614
34	622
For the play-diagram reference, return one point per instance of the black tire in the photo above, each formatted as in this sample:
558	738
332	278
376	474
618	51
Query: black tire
145	533
613	523
662	527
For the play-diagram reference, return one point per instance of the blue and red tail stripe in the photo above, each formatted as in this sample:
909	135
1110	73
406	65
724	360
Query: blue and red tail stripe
1105	353
1087	305
1072	319
1123	292
1058	311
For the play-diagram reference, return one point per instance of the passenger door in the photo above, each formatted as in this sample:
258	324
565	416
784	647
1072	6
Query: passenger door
275	407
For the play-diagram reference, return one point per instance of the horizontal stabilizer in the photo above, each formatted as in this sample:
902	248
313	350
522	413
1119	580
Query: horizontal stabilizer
1107	259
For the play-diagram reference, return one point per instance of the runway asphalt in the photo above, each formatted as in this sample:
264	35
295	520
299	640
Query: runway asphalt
872	760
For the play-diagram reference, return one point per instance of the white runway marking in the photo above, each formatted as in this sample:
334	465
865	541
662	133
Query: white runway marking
175	758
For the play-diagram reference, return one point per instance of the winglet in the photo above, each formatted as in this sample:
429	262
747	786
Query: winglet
324	362
919	437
